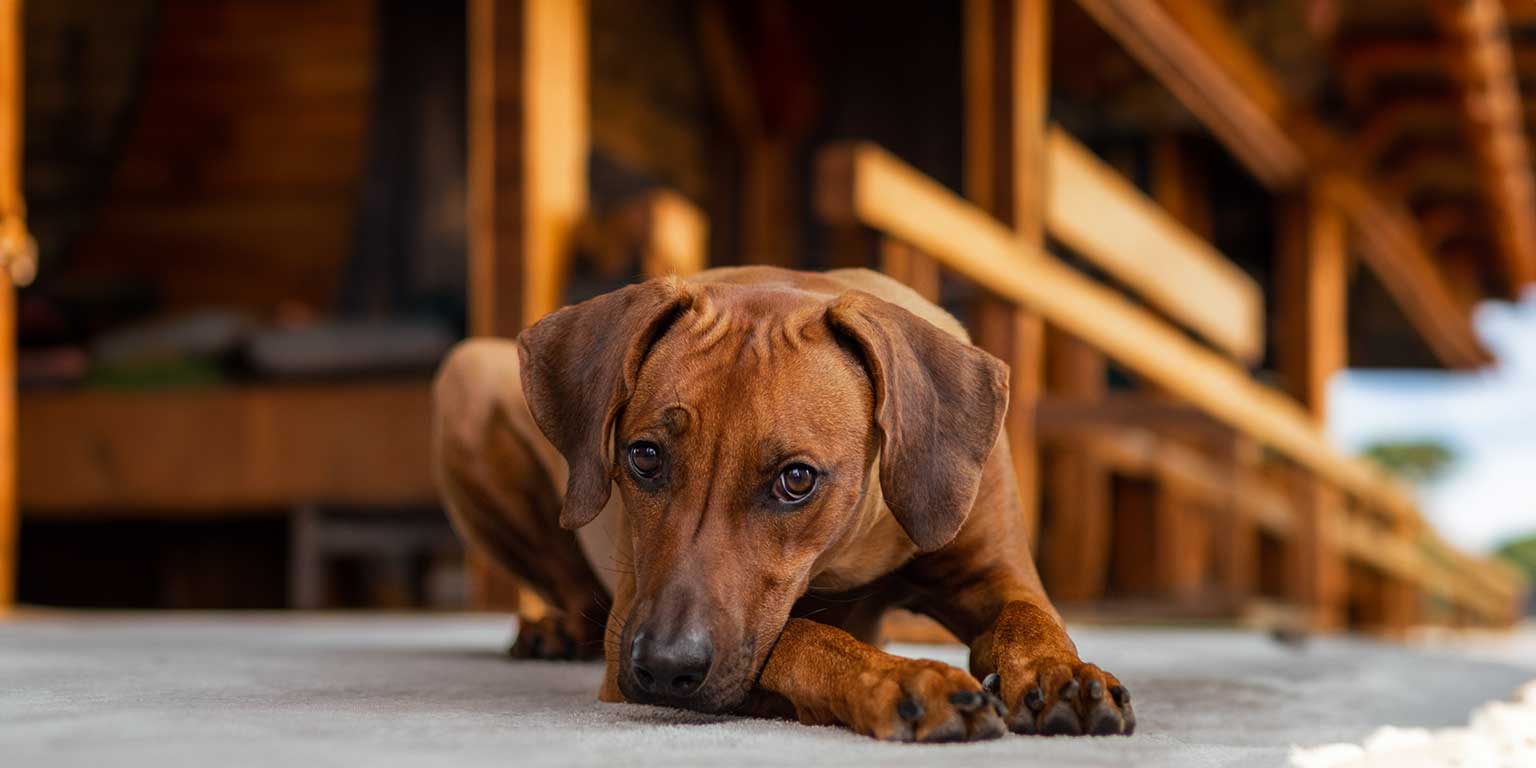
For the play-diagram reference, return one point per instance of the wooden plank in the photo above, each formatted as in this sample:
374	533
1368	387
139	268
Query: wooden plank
1492	113
860	182
1007	46
15	248
528	146
226	449
1095	211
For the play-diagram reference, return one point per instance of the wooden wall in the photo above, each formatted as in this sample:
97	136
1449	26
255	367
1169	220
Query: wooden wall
240	176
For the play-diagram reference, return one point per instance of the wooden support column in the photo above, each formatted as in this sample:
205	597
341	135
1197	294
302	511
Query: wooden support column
1007	80
675	236
1182	530
1075	538
18	254
911	266
1311	345
528	146
1236	534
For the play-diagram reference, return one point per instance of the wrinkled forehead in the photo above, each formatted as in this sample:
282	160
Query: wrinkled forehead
763	364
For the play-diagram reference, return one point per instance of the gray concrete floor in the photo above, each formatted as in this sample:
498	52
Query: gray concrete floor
268	689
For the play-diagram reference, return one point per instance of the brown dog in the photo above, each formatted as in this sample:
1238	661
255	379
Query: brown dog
794	454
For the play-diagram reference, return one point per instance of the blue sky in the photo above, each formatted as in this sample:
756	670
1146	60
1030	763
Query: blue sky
1487	417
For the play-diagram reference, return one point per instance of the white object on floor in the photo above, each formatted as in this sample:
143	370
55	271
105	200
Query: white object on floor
1502	734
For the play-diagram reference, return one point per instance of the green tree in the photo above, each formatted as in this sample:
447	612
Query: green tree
1522	553
1417	461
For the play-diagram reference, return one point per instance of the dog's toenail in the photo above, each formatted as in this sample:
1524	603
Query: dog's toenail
1095	690
909	710
1035	699
967	701
992	683
997	704
1120	694
1068	690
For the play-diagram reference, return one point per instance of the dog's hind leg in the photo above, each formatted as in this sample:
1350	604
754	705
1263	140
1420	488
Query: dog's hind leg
500	481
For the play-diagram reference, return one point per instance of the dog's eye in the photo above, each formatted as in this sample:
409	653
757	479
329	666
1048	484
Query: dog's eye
795	483
644	459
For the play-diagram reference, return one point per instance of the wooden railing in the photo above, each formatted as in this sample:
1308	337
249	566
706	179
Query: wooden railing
1378	527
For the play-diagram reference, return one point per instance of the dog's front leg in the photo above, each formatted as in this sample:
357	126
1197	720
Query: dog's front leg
1026	658
832	679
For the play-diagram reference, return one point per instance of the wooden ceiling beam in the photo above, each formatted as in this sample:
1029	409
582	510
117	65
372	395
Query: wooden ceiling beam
1192	50
1213	75
1495	126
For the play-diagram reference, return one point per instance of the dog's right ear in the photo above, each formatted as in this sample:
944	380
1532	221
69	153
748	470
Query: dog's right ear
579	369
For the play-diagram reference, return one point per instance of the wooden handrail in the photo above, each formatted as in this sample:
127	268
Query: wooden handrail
861	183
1099	214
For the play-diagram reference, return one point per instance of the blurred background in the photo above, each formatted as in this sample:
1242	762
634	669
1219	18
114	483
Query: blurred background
1263	271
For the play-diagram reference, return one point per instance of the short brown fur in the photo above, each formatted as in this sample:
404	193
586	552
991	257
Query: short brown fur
738	599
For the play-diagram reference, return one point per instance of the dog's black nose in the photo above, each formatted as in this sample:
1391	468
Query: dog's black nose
673	667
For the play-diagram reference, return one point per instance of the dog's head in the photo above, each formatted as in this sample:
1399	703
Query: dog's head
742	424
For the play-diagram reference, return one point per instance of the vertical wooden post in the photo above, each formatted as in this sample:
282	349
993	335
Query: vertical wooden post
676	239
16	253
1007	79
1311	347
1236	535
911	266
1075	539
528	145
1182	532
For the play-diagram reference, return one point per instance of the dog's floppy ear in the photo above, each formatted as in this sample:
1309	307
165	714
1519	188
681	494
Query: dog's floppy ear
579	368
939	404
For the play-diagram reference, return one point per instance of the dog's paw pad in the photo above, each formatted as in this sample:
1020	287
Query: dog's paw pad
1064	698
915	700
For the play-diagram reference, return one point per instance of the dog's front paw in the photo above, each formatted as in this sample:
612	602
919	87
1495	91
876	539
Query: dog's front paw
550	639
1063	697
921	700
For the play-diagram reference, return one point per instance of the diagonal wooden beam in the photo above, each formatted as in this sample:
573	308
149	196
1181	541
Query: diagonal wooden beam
1492	113
1389	243
1228	93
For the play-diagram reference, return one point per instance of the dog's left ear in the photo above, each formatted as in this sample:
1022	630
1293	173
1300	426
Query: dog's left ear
939	404
579	368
